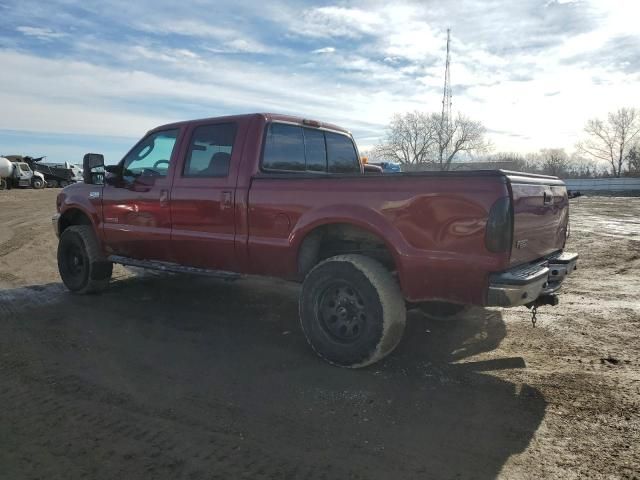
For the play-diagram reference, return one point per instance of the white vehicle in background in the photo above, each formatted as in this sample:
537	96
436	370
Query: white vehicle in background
76	171
19	174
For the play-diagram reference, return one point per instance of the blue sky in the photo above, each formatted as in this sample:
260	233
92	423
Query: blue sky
81	76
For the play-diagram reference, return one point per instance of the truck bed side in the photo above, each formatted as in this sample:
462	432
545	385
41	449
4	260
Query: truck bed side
433	225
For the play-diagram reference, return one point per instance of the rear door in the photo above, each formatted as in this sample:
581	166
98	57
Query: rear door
541	216
203	197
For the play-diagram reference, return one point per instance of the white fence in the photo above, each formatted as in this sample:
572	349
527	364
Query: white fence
603	184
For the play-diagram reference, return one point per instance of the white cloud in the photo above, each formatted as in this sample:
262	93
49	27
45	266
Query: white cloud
226	40
89	99
324	50
383	58
334	21
246	45
41	33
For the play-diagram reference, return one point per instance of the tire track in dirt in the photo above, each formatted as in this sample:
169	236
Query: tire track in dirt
14	301
56	409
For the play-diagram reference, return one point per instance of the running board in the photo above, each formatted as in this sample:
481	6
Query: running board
173	267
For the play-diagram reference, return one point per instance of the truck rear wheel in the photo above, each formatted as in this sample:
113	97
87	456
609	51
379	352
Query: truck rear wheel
352	311
82	267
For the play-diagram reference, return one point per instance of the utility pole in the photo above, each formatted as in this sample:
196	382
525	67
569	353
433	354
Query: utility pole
445	119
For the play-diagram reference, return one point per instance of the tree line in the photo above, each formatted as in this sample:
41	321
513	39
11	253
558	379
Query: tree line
427	141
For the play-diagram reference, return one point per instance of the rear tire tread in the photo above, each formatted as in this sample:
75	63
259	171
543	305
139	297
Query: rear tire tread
391	300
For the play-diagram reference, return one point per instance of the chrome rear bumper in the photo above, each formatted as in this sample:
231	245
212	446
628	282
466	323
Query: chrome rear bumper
523	284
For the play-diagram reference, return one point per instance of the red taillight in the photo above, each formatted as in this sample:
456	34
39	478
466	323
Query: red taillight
499	232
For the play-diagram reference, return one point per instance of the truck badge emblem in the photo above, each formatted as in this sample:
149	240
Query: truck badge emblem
521	243
94	194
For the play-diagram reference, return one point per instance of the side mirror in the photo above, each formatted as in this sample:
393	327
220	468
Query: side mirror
93	168
372	169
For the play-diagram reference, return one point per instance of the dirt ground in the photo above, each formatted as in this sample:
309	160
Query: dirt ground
168	377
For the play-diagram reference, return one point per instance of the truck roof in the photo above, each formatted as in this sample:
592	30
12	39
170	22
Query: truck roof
267	117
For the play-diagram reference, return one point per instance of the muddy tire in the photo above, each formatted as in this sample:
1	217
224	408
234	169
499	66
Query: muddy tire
352	311
37	183
443	311
82	267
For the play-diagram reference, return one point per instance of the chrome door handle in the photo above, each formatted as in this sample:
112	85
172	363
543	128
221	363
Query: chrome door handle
227	200
164	198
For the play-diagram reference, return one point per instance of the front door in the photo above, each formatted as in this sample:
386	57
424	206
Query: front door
136	201
203	197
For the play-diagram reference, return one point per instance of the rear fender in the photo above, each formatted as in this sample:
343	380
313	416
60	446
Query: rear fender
361	217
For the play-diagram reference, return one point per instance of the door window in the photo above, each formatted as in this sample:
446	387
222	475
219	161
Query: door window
151	156
210	151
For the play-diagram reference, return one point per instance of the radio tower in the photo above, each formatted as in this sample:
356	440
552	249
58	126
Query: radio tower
445	119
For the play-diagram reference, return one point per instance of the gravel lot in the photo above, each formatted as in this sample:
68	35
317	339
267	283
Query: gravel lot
169	377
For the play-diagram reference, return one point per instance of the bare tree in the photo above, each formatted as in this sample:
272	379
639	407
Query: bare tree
581	167
517	160
421	139
554	161
633	161
409	140
463	135
550	161
611	140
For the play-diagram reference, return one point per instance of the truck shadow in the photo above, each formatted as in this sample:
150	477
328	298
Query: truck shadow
213	361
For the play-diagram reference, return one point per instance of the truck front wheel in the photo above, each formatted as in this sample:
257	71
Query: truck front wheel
352	311
82	267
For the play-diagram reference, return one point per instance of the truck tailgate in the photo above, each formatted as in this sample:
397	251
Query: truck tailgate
540	214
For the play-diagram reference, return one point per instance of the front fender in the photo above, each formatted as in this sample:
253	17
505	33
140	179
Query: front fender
84	198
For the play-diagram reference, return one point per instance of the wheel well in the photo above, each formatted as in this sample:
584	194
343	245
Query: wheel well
338	239
73	217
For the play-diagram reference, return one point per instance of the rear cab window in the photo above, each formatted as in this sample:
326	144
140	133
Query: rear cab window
292	148
284	148
341	154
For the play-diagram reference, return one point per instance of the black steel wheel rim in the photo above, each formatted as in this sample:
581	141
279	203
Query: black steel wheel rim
74	260
342	312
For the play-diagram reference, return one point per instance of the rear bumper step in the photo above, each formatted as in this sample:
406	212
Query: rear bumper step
524	284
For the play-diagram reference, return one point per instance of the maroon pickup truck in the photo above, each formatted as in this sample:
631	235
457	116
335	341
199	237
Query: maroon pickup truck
275	195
